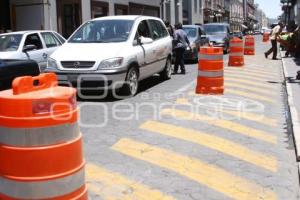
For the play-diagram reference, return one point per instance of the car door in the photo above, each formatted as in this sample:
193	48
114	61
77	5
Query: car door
39	54
149	50
51	43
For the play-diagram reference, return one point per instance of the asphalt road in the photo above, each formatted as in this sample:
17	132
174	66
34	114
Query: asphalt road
168	143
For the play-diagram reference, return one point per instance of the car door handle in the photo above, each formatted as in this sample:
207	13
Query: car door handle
45	55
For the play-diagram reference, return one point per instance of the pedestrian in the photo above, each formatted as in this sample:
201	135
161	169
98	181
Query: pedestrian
181	42
273	37
169	28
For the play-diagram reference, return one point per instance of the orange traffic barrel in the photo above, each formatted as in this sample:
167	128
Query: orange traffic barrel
210	71
249	48
236	55
40	142
266	37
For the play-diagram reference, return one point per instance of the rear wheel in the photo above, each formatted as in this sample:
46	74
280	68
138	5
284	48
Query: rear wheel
131	84
167	72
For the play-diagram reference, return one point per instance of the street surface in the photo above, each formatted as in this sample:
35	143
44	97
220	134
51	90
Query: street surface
168	143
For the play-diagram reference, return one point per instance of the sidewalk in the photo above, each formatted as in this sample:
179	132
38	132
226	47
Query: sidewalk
290	66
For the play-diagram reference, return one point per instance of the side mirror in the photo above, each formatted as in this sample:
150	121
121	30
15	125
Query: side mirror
146	40
29	47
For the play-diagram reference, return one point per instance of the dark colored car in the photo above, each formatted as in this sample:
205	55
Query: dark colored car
238	34
197	38
219	34
10	69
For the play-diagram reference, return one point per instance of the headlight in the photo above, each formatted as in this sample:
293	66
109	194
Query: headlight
51	63
111	63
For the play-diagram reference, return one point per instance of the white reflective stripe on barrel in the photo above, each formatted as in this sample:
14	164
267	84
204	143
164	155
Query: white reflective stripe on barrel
236	54
210	74
236	45
210	57
30	137
42	189
249	47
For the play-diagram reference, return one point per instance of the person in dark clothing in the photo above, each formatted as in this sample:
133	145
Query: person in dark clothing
169	28
274	34
181	42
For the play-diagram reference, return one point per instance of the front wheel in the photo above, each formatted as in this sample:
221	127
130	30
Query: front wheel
131	84
167	72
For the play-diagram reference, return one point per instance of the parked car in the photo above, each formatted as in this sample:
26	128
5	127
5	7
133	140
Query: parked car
197	38
114	52
10	69
238	34
256	32
219	34
26	45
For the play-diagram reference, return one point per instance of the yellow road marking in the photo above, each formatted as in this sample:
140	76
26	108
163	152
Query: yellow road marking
254	83
246	87
113	186
213	142
229	125
259	118
253	72
250	95
209	175
249	77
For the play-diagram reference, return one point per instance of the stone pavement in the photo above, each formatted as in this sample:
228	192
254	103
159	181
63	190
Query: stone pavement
169	143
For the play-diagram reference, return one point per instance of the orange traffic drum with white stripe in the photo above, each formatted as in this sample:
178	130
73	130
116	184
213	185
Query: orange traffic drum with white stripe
249	48
40	142
236	54
210	71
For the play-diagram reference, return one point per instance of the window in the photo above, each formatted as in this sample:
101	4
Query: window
143	29
34	39
158	30
195	5
50	40
60	38
10	42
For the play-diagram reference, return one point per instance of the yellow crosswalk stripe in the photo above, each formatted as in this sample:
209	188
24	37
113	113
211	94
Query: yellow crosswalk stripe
213	142
259	118
246	87
209	175
250	95
250	73
249	77
113	186
253	83
255	72
221	123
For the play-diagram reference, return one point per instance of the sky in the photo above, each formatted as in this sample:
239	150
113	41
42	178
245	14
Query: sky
270	7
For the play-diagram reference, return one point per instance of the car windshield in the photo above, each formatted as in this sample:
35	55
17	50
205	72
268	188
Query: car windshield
103	31
213	29
10	42
191	32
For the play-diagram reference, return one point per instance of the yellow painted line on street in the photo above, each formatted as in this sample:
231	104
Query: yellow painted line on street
250	95
253	83
209	175
252	73
221	123
259	118
213	142
249	77
250	88
113	186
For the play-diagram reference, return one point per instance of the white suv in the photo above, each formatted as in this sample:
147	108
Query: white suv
114	52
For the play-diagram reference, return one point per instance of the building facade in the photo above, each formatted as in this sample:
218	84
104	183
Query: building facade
236	15
214	11
192	12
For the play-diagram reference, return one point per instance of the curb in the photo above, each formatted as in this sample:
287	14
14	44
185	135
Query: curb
293	111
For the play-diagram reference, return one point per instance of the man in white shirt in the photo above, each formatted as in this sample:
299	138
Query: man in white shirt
274	34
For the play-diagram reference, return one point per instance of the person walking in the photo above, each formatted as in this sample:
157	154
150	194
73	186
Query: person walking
274	34
181	42
169	28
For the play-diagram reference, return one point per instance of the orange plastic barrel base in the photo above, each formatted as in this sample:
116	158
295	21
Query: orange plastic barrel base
236	62
80	194
249	53
210	90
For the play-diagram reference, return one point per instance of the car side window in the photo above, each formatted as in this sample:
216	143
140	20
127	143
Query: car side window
50	40
34	39
60	38
143	30
158	30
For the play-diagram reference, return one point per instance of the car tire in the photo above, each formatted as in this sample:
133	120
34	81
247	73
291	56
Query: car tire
167	72
131	85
